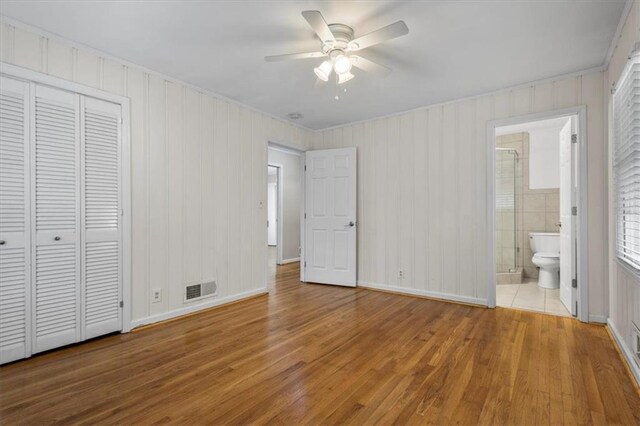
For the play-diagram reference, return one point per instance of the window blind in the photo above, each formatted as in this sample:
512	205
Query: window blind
626	163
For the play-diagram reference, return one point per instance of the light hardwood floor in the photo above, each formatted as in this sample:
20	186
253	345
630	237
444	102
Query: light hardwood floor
321	354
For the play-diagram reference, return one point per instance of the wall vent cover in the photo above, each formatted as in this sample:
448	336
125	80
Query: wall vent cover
200	291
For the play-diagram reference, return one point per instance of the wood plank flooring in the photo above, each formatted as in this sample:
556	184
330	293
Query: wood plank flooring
312	354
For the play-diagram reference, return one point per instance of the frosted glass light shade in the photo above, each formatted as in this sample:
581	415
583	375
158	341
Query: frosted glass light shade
323	71
344	77
342	65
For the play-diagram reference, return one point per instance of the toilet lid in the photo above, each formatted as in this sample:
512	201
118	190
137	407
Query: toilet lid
548	255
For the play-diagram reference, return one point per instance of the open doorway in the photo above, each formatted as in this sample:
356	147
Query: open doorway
273	173
284	192
537	240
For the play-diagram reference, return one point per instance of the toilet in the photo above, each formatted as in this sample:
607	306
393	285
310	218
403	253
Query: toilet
546	256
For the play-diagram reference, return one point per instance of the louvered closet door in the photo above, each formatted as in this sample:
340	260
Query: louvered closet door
56	216
102	272
14	220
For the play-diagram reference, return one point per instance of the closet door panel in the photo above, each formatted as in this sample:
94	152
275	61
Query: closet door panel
56	206
14	221
102	271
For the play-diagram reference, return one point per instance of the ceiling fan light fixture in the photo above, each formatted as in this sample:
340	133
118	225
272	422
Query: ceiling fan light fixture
344	77
342	65
323	71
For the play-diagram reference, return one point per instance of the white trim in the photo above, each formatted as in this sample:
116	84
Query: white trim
292	260
303	196
58	83
616	36
195	308
84	47
587	71
280	209
300	153
599	319
426	293
282	148
626	352
582	202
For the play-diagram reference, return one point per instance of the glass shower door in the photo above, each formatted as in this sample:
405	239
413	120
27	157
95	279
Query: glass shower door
506	214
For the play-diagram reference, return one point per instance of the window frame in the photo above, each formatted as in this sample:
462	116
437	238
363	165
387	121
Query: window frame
626	238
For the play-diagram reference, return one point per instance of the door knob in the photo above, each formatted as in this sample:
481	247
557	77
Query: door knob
57	238
2	242
352	223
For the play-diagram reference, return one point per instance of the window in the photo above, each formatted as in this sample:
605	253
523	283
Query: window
626	163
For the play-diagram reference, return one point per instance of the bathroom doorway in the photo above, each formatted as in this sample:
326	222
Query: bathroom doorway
536	201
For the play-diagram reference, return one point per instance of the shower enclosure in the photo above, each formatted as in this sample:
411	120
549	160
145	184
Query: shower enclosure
507	244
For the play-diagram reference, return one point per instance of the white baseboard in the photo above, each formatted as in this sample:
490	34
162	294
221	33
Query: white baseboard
600	319
292	260
210	303
426	293
626	352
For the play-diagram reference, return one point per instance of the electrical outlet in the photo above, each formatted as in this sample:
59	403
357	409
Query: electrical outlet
156	295
400	274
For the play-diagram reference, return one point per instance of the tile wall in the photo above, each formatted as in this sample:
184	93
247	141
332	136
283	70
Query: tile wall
536	210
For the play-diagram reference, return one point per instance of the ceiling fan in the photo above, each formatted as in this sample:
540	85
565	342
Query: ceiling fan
338	45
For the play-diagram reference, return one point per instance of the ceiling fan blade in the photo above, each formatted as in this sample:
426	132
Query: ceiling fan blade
389	32
369	66
319	25
290	56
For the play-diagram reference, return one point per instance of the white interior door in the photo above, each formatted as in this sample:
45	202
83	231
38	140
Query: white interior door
56	212
15	286
567	219
272	213
330	223
101	239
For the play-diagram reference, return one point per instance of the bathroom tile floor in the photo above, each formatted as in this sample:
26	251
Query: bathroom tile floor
528	296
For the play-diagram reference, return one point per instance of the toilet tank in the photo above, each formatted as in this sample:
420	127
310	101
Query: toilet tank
544	242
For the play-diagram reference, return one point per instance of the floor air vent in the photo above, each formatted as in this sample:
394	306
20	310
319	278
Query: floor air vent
200	291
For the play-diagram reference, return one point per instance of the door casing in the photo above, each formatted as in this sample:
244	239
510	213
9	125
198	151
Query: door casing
581	202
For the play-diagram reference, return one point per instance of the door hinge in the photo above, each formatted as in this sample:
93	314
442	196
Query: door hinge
122	304
305	215
574	283
574	138
574	211
305	167
305	264
121	212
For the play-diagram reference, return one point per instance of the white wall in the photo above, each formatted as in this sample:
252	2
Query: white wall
544	158
624	286
291	187
198	175
422	189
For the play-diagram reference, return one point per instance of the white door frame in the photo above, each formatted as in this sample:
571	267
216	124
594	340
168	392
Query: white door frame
581	200
279	214
283	147
24	74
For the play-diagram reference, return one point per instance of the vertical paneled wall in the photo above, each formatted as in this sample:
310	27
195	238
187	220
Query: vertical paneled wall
198	174
422	189
624	286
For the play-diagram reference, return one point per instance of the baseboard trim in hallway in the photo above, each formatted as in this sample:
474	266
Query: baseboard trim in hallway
196	308
625	354
434	295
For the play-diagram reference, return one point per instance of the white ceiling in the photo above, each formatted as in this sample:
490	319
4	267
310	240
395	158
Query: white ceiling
454	49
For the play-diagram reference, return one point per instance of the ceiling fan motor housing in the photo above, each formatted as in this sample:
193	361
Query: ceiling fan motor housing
343	35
